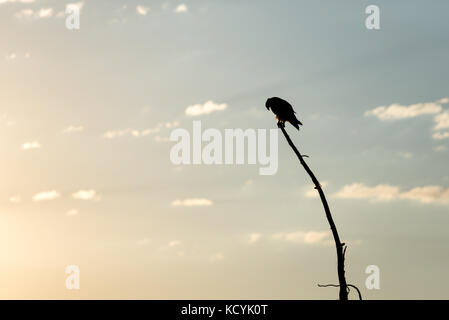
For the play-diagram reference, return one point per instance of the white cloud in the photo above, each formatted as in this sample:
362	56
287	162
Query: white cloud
441	135
73	129
254	237
174	243
181	8
360	191
168	125
29	14
312	192
11	56
86	195
142	10
16	1
426	194
46	195
300	237
216	257
442	120
145	132
206	108
112	134
72	212
397	111
31	145
193	202
45	13
15	199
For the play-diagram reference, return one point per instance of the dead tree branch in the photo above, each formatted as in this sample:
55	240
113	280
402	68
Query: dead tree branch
339	246
337	286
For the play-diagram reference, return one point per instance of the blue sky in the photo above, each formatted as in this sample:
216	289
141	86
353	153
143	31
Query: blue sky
110	200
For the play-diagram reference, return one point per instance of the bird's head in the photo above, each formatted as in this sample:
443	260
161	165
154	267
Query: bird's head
268	103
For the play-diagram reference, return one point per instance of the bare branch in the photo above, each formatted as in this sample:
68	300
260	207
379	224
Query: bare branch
339	247
337	286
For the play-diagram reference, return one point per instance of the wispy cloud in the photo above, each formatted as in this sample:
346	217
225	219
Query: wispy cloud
86	195
442	120
398	111
46	195
73	129
174	243
142	10
29	14
45	12
112	134
11	56
193	202
206	108
440	135
254	237
31	145
16	1
426	194
14	56
181	8
301	237
380	192
168	125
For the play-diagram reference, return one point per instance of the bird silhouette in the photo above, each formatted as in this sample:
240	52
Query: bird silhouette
283	111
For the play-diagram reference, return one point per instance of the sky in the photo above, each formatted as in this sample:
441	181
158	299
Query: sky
86	177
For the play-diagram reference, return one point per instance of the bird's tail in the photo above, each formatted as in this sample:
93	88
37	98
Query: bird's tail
296	123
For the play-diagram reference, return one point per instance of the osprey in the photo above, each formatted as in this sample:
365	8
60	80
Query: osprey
283	111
